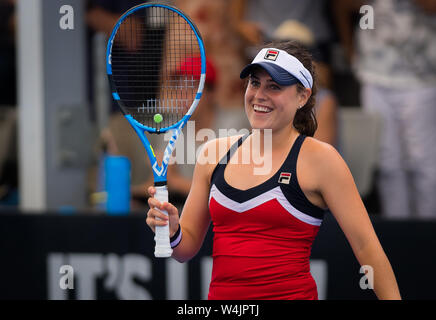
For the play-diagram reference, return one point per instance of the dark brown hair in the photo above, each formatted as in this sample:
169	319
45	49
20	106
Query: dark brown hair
304	120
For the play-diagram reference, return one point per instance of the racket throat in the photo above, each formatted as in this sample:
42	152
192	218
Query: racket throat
160	183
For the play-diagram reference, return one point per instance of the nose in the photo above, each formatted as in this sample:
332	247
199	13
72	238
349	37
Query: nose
260	94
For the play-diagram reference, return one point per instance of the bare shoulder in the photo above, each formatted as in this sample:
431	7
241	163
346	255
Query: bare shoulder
212	152
323	160
316	150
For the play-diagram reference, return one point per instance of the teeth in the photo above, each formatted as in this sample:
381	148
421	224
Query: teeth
261	108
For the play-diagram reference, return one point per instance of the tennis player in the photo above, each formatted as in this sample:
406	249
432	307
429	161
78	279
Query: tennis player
264	225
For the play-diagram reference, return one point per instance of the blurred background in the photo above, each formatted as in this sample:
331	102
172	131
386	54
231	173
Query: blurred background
73	174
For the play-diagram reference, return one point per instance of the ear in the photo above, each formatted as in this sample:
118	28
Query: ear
304	96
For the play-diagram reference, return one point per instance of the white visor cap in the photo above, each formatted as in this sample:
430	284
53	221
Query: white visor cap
283	68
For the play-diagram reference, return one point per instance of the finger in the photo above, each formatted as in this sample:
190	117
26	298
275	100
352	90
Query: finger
159	223
153	202
151	191
159	215
153	221
150	223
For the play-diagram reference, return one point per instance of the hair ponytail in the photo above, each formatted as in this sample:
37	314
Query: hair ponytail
305	119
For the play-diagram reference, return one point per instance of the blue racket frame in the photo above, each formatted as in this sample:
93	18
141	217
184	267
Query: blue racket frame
159	171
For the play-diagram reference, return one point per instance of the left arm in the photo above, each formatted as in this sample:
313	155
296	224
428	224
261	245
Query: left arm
327	121
101	20
340	193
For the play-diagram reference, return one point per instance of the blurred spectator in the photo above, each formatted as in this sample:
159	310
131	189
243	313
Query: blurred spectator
223	45
118	138
8	157
8	102
101	17
396	64
258	20
7	53
307	22
208	117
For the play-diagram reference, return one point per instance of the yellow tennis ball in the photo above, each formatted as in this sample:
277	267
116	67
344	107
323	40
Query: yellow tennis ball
157	118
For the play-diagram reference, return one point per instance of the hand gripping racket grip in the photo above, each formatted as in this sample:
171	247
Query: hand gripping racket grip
162	248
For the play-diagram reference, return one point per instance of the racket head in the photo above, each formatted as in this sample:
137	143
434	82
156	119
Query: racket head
156	65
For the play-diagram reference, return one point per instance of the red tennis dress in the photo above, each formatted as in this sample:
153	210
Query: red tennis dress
262	236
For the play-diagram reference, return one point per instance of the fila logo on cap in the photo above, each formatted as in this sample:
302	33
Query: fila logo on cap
271	55
285	177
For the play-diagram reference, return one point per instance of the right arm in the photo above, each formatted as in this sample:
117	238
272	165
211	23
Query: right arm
195	218
102	20
249	31
342	11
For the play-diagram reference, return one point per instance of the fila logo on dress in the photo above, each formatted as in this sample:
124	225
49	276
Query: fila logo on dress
285	177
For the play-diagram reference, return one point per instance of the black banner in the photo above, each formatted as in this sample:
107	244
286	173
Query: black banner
87	257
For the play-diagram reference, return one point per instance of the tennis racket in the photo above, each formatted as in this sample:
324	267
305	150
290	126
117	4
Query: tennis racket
145	52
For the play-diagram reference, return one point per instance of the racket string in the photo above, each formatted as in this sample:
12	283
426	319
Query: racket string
147	52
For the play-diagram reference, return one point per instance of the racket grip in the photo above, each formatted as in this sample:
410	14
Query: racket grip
162	247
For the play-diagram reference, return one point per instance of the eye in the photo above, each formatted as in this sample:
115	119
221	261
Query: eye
254	83
275	87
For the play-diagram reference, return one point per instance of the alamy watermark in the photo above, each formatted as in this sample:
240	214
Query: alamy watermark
193	149
67	280
367	20
367	280
66	22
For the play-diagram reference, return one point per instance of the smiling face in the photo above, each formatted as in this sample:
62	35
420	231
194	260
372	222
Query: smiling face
269	105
